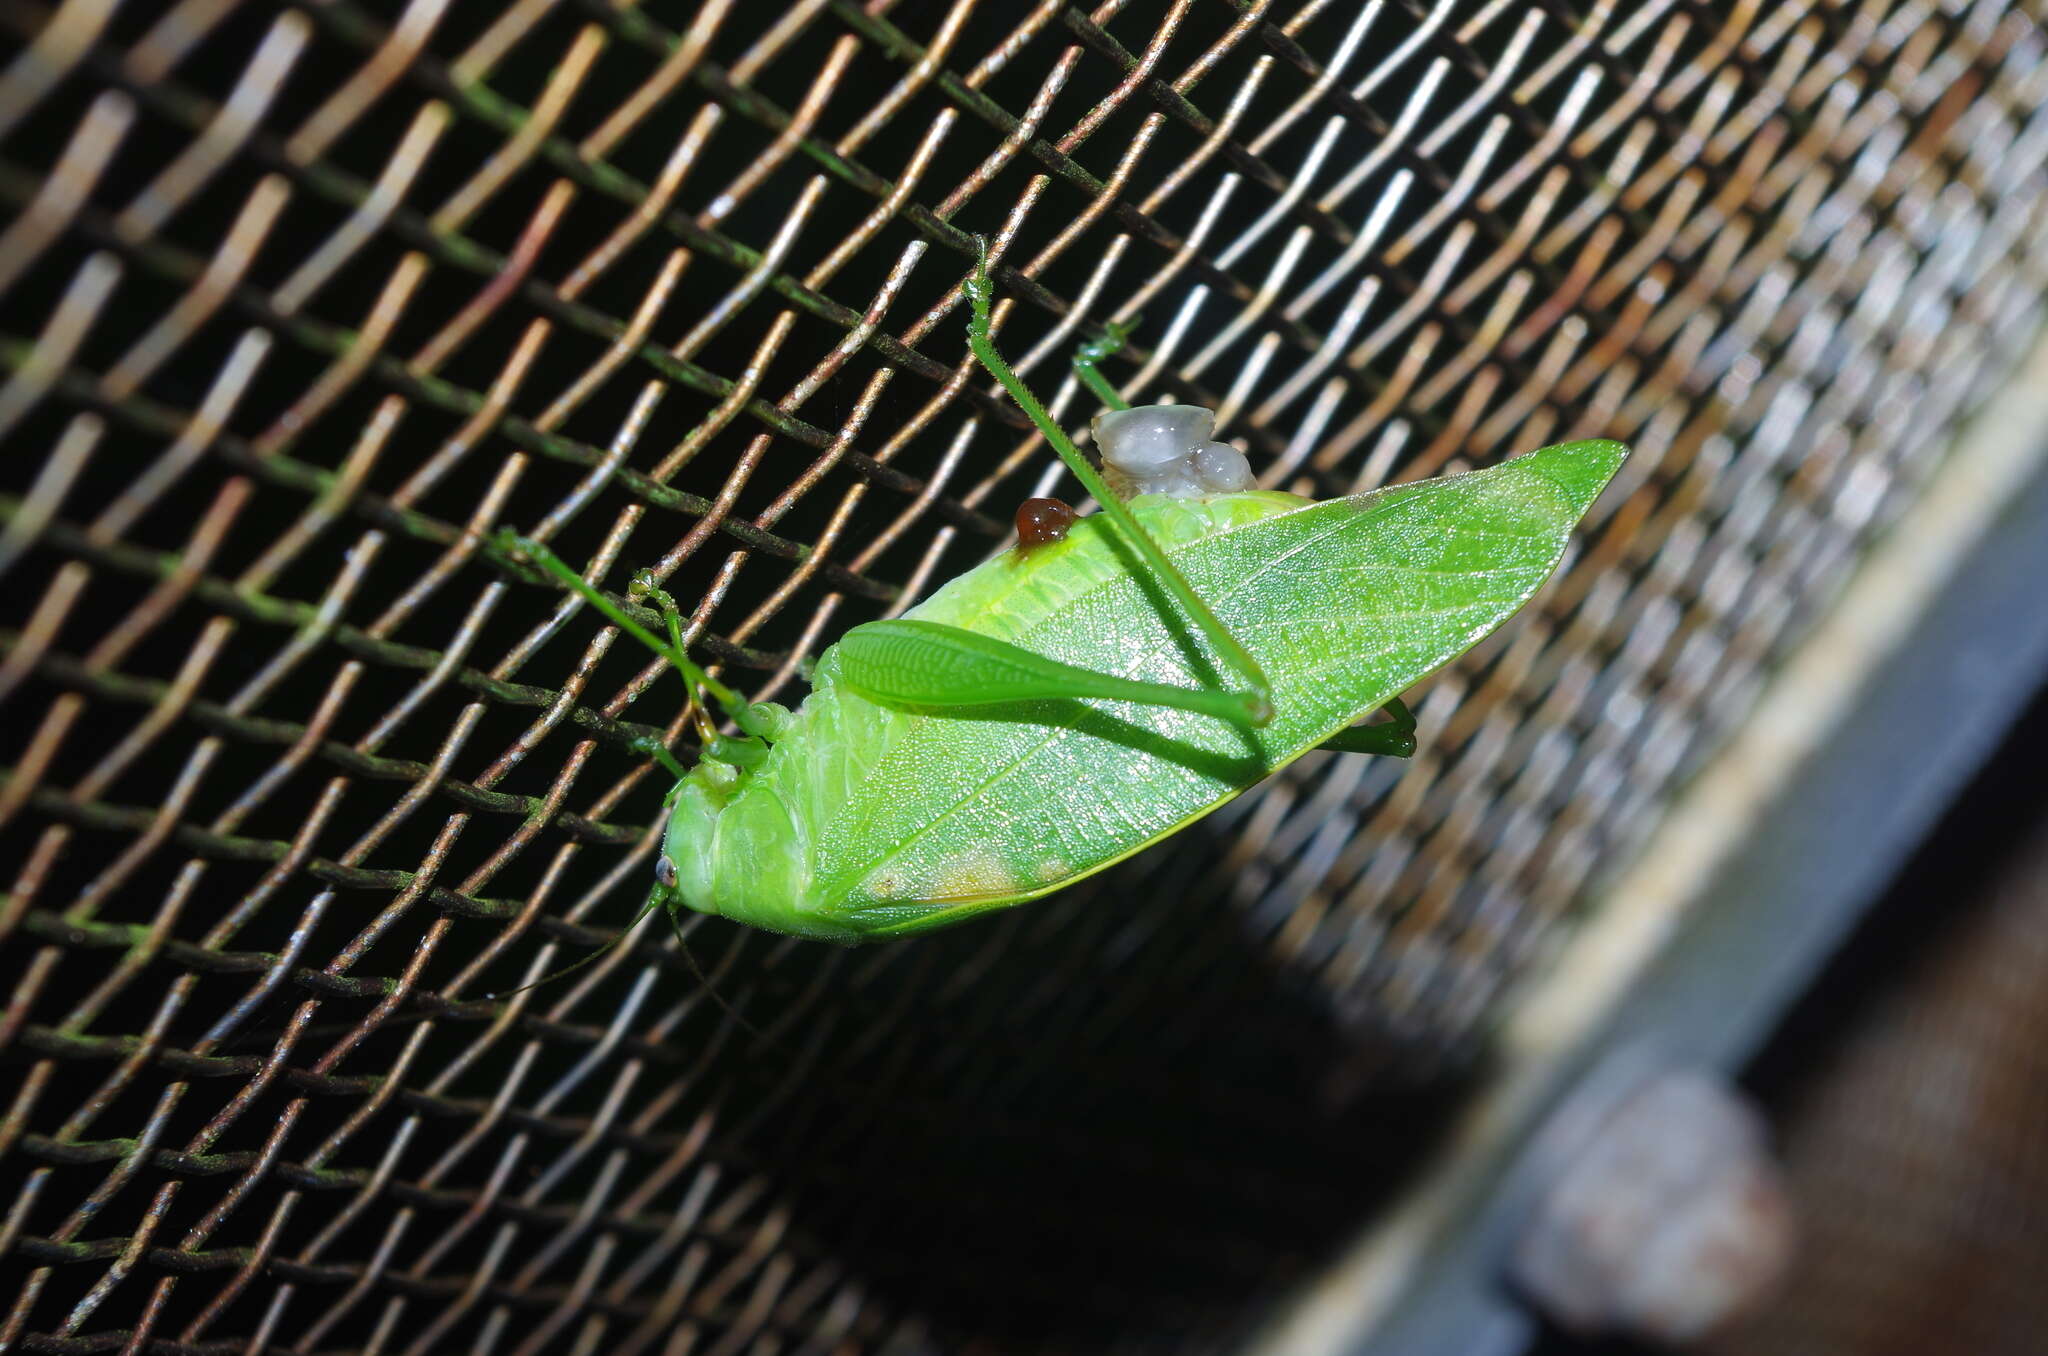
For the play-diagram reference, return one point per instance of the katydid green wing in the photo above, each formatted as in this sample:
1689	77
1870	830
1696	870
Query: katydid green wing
919	818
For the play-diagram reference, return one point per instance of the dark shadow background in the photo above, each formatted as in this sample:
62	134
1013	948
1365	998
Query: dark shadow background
1908	1092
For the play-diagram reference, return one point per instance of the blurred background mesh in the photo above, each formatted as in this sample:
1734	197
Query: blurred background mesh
1910	1088
297	772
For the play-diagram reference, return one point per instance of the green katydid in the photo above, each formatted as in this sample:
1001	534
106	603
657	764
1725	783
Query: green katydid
1064	705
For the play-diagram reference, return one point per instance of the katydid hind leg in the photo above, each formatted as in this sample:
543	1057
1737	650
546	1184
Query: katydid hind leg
907	662
1257	699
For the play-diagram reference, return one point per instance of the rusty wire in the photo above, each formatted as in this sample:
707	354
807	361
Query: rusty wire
297	301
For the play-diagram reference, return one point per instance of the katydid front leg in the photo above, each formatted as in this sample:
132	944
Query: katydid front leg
747	751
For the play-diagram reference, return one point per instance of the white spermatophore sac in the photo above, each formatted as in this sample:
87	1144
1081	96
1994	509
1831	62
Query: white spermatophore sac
1166	449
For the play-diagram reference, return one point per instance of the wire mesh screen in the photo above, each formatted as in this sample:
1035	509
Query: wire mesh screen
299	771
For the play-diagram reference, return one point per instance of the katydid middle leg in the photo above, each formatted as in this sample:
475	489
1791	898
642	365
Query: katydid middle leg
1393	738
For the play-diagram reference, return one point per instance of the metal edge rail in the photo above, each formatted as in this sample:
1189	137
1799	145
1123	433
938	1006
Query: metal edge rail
1764	864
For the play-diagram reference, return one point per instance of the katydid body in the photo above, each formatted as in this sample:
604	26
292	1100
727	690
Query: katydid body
1058	708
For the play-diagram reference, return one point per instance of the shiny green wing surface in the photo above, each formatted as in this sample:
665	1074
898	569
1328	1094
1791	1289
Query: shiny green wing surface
919	818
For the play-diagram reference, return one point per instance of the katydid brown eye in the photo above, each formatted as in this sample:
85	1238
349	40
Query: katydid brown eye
665	872
1043	521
